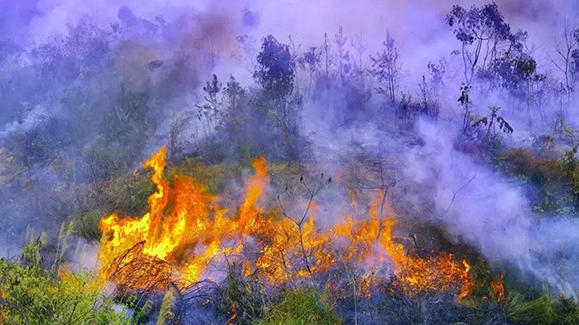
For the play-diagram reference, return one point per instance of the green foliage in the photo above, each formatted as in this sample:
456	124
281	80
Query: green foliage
299	307
62	244
241	300
569	166
32	295
165	313
214	176
210	109
36	147
541	311
276	69
127	195
106	161
127	125
492	121
31	251
555	180
88	224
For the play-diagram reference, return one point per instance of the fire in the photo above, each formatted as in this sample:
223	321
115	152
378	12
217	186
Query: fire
179	218
498	287
186	231
374	238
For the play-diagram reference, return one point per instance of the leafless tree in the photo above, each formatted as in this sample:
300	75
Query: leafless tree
178	135
312	190
360	49
342	54
563	57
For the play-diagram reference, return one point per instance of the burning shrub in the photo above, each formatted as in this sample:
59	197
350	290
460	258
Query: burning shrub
185	232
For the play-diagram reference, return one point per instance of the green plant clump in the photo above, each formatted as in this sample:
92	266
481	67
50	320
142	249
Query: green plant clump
299	307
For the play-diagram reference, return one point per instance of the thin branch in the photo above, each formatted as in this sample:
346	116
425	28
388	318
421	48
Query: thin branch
460	189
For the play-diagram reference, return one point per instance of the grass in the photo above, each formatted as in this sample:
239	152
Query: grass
299	307
541	311
30	294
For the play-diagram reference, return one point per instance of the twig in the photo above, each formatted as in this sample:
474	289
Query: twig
460	189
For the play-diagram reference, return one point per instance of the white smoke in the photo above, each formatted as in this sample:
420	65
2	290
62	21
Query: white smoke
492	213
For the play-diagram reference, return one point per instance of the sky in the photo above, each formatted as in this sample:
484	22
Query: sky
418	26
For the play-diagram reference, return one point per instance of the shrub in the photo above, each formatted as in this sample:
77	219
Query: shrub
88	224
542	310
127	195
31	295
299	307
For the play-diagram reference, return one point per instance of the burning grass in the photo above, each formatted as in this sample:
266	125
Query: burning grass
186	236
189	259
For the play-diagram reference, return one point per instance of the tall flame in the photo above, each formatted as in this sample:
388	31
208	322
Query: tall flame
185	231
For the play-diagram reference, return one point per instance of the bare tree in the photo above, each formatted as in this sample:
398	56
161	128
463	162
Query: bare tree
310	61
312	190
343	55
436	73
563	60
178	135
360	49
328	61
249	48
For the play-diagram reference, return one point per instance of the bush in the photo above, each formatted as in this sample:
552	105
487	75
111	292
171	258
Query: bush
88	224
299	307
214	176
31	295
542	310
127	195
553	185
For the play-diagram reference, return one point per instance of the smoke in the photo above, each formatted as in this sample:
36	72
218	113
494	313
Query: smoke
172	48
83	254
28	121
491	213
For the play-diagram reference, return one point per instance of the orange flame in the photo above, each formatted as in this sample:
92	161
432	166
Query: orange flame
374	238
498	287
185	231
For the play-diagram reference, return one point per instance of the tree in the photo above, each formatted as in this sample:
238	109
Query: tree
276	69
343	55
177	136
386	69
234	94
518	75
484	36
492	121
235	108
209	111
328	61
276	75
428	104
465	102
566	59
436	74
358	66
310	61
527	68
